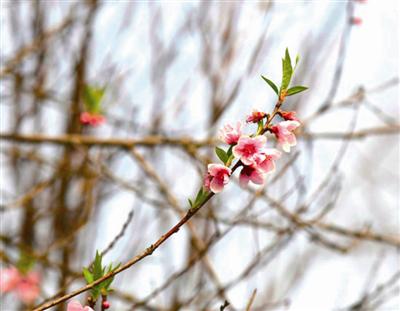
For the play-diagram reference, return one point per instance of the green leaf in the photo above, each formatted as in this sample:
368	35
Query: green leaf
88	275
287	71
92	97
271	84
190	202
297	61
97	267
95	292
222	155
25	262
199	195
229	152
296	89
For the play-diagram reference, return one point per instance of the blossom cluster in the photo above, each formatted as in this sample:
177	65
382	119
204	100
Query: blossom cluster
25	286
256	159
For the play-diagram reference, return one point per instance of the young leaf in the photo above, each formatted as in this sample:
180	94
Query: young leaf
92	97
88	275
190	202
287	71
97	267
25	262
297	61
198	196
296	89
271	84
222	155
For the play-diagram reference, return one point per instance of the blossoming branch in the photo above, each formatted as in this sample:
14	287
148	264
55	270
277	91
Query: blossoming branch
251	153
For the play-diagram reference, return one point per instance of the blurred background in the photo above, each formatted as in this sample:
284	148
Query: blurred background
324	232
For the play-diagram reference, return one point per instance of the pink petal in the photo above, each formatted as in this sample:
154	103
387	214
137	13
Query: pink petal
243	179
257	177
87	309
291	139
285	146
273	153
291	125
33	277
9	279
27	292
216	185
218	169
75	305
261	140
267	166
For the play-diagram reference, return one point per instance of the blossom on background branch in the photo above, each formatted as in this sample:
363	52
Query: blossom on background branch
92	99
21	280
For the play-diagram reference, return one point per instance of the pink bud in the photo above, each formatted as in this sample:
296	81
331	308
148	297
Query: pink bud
356	21
289	115
256	116
105	304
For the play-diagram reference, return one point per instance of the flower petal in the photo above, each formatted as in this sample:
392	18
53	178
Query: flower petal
216	185
257	177
75	305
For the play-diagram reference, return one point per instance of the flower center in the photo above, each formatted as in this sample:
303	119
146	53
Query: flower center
249	149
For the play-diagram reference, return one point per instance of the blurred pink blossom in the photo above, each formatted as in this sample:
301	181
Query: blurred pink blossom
9	279
356	20
26	286
92	119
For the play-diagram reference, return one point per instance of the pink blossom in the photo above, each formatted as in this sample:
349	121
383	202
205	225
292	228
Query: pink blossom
266	163
230	134
289	115
25	286
249	149
217	177
284	133
250	173
256	116
9	279
93	119
28	289
75	305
